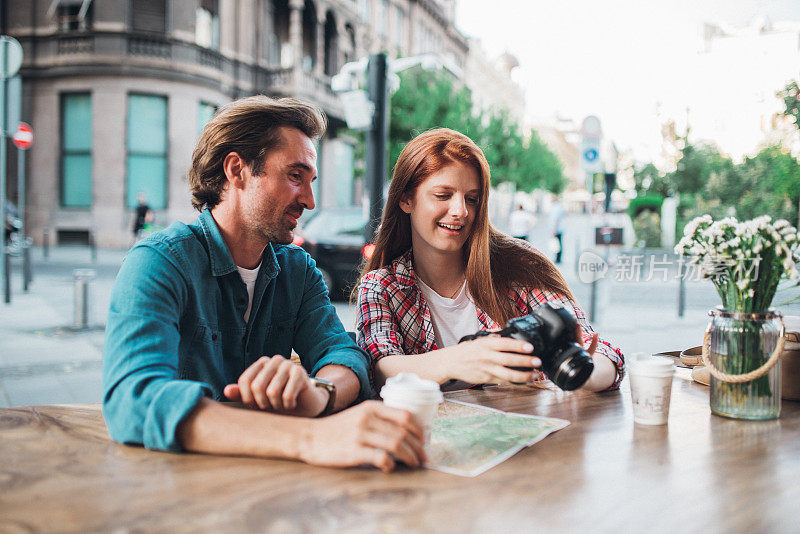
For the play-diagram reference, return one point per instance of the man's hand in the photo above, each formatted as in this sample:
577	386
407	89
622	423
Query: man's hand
370	433
278	385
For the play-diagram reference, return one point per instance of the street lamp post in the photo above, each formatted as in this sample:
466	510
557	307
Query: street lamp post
377	138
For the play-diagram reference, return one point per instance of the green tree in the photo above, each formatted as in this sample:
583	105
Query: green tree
427	100
695	167
648	180
791	100
766	184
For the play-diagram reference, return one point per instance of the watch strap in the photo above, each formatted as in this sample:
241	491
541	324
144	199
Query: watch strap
331	389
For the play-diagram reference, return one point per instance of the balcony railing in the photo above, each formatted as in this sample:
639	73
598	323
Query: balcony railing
83	44
303	84
183	57
153	47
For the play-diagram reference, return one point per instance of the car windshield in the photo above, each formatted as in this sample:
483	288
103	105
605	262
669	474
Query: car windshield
335	222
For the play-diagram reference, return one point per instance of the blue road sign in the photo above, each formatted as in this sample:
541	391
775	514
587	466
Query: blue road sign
590	155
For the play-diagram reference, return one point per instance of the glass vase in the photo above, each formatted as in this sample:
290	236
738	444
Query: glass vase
738	344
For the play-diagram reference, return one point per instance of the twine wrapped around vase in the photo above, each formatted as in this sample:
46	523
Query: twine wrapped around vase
746	377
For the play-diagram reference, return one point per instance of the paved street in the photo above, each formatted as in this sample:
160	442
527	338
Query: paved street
44	361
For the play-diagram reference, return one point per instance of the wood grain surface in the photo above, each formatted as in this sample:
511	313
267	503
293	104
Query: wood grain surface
60	472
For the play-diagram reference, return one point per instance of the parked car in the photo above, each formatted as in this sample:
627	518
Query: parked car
335	239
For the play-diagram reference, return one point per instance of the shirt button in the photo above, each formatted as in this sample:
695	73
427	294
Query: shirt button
213	337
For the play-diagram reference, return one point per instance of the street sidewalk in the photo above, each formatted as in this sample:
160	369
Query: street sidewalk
44	361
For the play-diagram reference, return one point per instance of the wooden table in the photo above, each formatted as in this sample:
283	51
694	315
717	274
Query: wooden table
59	471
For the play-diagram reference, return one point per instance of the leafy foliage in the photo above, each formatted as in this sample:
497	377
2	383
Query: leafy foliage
427	100
791	100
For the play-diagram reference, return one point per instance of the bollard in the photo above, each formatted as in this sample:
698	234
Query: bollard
27	269
92	247
81	279
7	281
46	243
681	291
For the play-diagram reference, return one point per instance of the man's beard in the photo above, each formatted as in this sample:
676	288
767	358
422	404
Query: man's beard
281	231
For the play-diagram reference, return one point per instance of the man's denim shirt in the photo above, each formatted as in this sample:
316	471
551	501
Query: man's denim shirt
176	329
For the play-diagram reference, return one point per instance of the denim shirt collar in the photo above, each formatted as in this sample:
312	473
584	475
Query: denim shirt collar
221	260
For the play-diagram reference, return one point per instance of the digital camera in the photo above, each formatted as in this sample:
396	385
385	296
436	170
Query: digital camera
552	330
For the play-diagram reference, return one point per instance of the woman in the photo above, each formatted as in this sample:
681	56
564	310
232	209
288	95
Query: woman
440	271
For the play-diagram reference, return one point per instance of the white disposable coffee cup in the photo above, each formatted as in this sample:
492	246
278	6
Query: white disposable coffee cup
651	387
409	392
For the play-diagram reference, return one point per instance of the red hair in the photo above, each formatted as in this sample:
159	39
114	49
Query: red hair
494	262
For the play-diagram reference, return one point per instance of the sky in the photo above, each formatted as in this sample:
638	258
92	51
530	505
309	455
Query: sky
622	60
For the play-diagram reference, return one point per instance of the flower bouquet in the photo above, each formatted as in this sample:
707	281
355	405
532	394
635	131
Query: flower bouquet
746	261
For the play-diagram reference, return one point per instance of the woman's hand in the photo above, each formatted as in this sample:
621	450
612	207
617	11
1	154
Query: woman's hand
592	344
604	371
487	359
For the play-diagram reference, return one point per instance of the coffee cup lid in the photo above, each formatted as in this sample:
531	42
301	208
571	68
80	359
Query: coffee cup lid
646	364
415	388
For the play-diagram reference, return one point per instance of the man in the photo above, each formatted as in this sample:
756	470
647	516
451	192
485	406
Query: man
557	224
142	215
206	313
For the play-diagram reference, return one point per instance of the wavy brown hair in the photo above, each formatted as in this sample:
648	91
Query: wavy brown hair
250	127
495	263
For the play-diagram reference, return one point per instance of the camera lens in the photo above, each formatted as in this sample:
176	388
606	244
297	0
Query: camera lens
570	368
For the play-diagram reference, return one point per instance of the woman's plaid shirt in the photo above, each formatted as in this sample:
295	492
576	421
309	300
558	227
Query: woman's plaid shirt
393	317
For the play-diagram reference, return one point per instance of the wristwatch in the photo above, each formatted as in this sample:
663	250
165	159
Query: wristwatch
331	389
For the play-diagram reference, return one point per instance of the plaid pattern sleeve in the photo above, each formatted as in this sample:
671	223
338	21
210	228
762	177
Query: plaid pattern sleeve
375	324
533	298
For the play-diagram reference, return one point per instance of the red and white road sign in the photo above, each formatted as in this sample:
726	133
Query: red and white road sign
23	137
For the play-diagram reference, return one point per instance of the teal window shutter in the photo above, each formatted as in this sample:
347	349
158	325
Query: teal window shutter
147	150
76	150
204	113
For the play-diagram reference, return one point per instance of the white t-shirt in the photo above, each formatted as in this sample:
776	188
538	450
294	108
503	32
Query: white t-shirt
452	318
249	278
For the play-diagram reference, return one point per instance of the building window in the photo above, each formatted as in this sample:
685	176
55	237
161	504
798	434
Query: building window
72	15
76	150
207	24
147	150
149	16
204	113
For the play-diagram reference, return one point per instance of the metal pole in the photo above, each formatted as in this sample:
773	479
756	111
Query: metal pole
681	291
3	114
26	257
27	272
81	279
46	243
92	246
377	137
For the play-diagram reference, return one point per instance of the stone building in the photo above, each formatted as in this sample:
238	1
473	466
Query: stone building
492	82
117	91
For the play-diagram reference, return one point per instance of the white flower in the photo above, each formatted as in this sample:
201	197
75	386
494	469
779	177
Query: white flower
742	284
691	228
